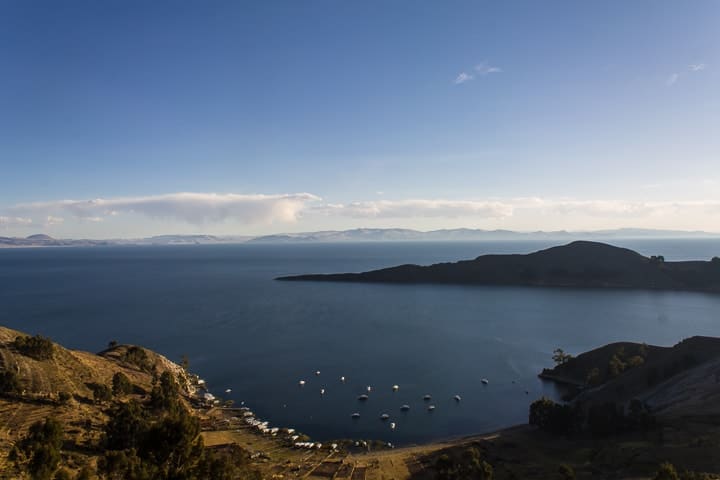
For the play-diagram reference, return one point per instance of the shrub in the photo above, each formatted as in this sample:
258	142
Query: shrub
552	417
666	472
9	382
121	384
64	397
37	347
42	445
138	357
101	393
566	472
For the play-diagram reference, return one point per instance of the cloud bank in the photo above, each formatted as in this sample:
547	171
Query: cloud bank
194	208
258	211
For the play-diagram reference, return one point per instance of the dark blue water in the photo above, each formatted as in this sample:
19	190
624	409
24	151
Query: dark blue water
242	330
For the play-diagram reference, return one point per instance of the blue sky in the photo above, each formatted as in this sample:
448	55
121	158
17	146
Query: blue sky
131	118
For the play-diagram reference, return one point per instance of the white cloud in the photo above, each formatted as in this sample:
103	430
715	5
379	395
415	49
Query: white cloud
6	222
194	208
418	208
697	67
486	69
670	81
462	78
50	221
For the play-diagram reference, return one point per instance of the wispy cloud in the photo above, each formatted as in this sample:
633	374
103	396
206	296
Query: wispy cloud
486	69
195	208
7	222
462	78
692	68
481	69
418	208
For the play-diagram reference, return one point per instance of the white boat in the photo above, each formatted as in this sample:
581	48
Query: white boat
228	390
369	388
457	398
322	391
405	408
392	425
384	416
431	408
317	372
484	381
301	382
355	415
363	397
427	397
342	379
396	388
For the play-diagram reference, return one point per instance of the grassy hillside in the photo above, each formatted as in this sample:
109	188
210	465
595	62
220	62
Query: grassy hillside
82	394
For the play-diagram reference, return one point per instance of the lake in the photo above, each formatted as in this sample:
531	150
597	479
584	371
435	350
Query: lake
220	306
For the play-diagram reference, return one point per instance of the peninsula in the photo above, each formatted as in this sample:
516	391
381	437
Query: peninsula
577	264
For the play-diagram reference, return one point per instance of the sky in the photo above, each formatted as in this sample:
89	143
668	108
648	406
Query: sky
135	118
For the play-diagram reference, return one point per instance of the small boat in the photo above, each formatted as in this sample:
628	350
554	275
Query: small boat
228	390
342	379
431	408
484	381
384	416
405	408
322	391
369	388
427	397
363	397
392	425
355	415
301	382
317	372
396	388
457	398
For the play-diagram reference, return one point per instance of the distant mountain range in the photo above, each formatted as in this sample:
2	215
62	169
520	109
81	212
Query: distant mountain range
578	264
362	235
40	240
468	234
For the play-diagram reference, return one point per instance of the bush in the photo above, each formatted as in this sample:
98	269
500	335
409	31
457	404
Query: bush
138	357
552	417
121	384
37	347
42	446
64	397
566	472
9	382
101	393
666	472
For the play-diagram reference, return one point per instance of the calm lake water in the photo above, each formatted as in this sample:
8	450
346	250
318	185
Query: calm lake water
242	330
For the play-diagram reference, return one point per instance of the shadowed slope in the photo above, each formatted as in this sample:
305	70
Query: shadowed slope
578	264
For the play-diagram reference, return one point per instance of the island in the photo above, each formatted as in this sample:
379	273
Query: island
578	264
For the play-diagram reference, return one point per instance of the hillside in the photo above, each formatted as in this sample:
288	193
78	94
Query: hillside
577	264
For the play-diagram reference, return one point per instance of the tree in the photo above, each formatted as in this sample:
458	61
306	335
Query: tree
593	377
112	344
560	357
185	362
42	446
